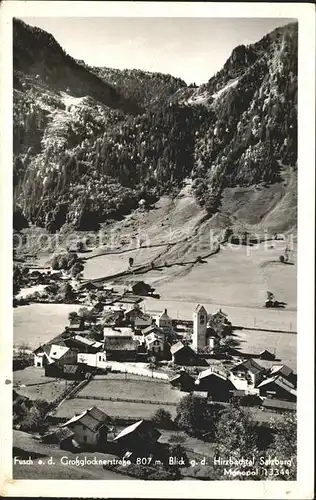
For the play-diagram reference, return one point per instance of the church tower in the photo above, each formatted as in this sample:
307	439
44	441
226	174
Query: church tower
199	327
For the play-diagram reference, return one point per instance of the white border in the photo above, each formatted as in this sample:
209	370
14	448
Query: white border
303	487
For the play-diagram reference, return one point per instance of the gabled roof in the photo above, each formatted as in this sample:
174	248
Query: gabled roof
87	342
281	382
284	370
153	328
93	419
200	308
249	365
212	371
58	351
128	430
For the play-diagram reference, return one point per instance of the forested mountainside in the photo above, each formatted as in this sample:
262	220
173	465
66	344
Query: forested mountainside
89	143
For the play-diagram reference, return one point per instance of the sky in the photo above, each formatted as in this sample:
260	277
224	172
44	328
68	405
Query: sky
193	49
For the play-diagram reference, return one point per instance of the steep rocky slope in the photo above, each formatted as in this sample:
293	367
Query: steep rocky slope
89	143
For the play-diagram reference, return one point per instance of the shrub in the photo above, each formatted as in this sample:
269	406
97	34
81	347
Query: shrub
162	418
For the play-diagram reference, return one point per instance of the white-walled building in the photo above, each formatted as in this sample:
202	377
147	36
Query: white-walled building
164	321
90	427
95	360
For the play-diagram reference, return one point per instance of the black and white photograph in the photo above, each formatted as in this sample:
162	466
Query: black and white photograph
155	176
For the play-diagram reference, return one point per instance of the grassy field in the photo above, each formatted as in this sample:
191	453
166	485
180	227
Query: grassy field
132	389
58	470
115	409
38	323
31	382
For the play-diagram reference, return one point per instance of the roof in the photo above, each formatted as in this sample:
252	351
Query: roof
281	382
93	419
182	373
87	342
199	308
59	339
152	328
128	430
250	365
176	347
58	351
279	404
116	332
212	371
64	433
282	369
220	313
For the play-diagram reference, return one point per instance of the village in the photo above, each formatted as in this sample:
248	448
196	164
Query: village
119	371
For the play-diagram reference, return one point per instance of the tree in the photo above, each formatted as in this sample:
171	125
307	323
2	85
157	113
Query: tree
77	268
284	445
73	317
281	258
162	418
192	414
236	433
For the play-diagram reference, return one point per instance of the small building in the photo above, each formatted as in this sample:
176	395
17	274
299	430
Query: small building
183	381
94	360
138	436
278	406
62	436
155	342
83	344
279	388
90	428
63	354
215	383
246	374
67	372
266	355
120	348
182	354
164	322
286	372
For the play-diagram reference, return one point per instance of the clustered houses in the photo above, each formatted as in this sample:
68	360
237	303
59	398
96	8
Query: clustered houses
91	428
119	330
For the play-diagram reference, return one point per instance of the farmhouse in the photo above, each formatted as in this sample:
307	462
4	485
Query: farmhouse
68	372
285	371
183	381
62	436
83	344
94	360
120	348
246	374
215	383
137	436
278	387
90	428
63	354
41	353
153	329
182	354
155	342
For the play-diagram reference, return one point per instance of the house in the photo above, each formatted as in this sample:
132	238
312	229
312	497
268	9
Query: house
164	322
120	348
155	342
67	372
41	357
246	398
285	371
278	405
137	319
219	322
90	428
83	344
94	360
215	383
266	355
138	436
63	354
183	381
62	436
278	387
246	374
182	354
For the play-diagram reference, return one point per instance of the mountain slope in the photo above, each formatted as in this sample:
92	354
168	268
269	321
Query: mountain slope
89	143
